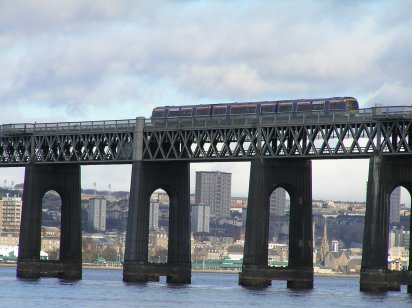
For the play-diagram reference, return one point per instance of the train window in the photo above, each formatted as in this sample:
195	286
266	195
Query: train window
318	106
202	111
242	109
186	112
219	110
266	108
303	106
158	113
352	104
285	107
174	112
337	105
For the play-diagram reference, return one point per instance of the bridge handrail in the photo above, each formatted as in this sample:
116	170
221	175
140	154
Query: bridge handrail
67	127
286	118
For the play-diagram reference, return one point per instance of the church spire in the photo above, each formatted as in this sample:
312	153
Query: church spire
324	248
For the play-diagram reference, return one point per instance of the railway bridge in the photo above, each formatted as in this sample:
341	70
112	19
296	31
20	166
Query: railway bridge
280	148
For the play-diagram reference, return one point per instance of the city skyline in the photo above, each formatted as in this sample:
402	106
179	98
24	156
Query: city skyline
97	61
351	186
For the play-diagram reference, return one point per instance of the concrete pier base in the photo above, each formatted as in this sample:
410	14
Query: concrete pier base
301	278
172	177
36	269
65	180
265	176
255	276
134	272
383	280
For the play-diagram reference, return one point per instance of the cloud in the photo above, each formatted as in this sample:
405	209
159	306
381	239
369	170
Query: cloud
396	92
42	17
78	54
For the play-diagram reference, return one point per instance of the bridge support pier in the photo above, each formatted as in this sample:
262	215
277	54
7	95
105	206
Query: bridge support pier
65	180
172	177
296	177
385	174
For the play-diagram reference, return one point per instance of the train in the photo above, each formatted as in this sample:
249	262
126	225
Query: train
318	105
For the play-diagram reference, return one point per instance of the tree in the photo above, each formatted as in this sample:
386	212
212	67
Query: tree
110	253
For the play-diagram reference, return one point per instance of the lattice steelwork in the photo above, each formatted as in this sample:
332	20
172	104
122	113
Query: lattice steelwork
80	142
332	135
387	132
343	140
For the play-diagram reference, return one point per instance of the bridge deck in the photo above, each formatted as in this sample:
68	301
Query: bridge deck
314	135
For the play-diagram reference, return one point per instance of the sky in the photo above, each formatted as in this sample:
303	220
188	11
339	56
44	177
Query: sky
84	60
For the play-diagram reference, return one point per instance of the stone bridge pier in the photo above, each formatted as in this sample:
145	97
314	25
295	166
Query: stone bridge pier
385	174
65	180
173	178
294	175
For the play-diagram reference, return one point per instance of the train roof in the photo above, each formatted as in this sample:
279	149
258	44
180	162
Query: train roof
261	102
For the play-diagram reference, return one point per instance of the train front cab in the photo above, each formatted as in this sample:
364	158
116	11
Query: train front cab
158	117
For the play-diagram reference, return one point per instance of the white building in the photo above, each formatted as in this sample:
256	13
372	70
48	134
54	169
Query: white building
154	216
395	205
97	213
200	217
278	202
335	246
10	214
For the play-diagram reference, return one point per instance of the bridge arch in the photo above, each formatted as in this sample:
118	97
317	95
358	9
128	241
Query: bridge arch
278	243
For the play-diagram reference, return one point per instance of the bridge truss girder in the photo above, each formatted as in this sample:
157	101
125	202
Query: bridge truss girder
344	140
333	140
66	148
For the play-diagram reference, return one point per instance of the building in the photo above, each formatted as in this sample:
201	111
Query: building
399	237
50	242
337	261
395	205
10	214
9	239
154	216
200	218
335	246
278	202
97	213
279	229
213	188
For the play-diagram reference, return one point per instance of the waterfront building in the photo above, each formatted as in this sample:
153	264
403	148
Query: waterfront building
200	218
10	214
97	213
9	239
50	242
213	188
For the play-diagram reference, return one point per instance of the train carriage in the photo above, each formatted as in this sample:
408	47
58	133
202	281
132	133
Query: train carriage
321	106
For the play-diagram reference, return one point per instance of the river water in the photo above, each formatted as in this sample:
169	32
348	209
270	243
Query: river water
105	288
